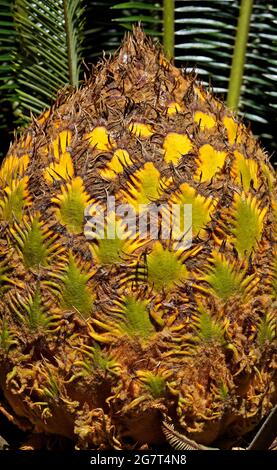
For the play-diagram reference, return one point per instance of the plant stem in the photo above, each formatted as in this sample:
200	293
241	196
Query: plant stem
168	28
266	434
71	53
239	54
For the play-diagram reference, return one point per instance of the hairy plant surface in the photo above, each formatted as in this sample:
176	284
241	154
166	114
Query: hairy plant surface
102	339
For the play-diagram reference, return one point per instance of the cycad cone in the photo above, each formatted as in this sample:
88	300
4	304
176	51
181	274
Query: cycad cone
100	340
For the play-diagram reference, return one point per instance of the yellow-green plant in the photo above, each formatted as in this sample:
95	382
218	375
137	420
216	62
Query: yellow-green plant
101	339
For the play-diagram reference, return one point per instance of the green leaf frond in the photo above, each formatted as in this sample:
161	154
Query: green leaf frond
74	292
43	43
6	266
4	277
154	382
208	330
227	278
50	386
32	310
51	390
133	317
15	200
246	236
221	391
97	360
8	46
7	337
50	35
165	267
128	315
107	250
205	40
266	331
148	13
36	243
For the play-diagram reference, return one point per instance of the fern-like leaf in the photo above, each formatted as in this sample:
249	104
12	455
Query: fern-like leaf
266	329
7	338
204	41
148	13
51	38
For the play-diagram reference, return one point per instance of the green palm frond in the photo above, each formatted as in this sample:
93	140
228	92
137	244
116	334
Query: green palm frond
208	329
8	47
204	38
46	44
205	33
259	95
50	35
7	43
148	13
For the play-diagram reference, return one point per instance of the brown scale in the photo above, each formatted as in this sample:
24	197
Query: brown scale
200	363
